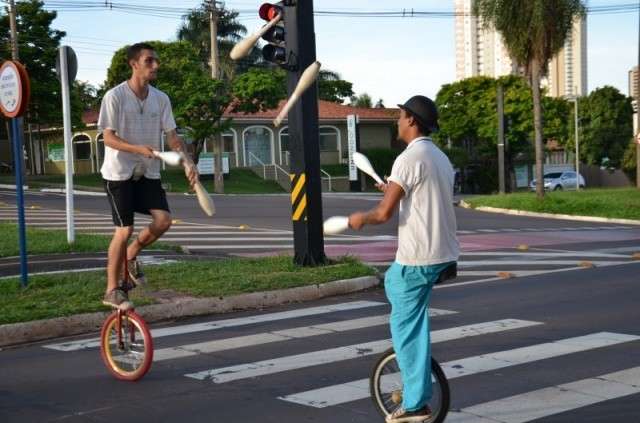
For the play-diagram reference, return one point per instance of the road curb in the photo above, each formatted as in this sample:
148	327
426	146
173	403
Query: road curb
38	330
466	205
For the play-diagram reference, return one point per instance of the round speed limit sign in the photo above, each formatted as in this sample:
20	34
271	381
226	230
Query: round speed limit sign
14	89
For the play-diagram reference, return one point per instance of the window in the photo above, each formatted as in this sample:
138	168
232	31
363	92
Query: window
228	142
81	147
257	145
284	140
328	139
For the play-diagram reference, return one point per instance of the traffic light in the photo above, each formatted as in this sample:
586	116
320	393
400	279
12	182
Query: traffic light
275	51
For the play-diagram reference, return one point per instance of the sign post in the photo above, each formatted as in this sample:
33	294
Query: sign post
353	145
14	97
67	67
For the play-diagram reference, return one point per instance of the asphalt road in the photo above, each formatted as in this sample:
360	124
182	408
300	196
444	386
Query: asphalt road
548	335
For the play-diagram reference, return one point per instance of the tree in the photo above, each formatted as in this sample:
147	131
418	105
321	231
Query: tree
331	87
196	31
198	101
605	125
38	47
533	31
363	100
379	104
468	120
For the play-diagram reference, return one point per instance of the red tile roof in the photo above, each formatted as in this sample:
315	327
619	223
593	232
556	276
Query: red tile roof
326	111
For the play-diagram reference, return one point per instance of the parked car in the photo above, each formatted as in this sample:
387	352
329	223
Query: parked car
556	181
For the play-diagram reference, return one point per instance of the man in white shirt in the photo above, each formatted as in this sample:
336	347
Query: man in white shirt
421	183
133	116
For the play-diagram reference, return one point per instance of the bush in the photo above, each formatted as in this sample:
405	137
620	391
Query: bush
381	159
629	161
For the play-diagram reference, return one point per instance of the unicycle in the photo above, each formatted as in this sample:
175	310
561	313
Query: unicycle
385	384
126	345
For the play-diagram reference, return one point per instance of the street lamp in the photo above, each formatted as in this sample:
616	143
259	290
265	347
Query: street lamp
574	98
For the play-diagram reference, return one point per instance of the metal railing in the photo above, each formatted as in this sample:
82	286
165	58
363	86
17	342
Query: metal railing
328	178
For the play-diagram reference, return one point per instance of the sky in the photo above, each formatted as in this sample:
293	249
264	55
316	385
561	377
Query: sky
388	58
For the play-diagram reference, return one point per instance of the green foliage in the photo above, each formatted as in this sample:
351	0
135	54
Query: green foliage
363	100
468	116
532	30
381	159
38	48
259	83
457	156
332	88
605	126
629	162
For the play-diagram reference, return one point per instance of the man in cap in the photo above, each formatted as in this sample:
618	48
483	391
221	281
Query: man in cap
421	183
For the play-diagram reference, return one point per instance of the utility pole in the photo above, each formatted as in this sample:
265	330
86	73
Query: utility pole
638	107
15	56
218	175
500	99
14	31
577	128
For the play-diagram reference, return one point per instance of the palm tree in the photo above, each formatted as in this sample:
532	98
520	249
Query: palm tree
533	32
195	30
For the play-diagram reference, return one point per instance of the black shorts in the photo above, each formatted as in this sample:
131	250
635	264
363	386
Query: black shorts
141	196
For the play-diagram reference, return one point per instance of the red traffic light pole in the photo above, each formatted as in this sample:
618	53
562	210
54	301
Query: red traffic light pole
292	45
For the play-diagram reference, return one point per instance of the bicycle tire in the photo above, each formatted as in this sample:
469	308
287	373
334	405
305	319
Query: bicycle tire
132	359
387	399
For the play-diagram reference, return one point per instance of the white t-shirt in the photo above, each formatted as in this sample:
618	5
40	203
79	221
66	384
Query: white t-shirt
427	224
137	122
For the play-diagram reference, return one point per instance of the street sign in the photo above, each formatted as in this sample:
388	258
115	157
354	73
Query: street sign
72	64
14	98
14	89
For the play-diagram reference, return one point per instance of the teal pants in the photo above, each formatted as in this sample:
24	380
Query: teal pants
408	289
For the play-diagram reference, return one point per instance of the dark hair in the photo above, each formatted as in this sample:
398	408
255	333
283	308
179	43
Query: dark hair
421	128
133	52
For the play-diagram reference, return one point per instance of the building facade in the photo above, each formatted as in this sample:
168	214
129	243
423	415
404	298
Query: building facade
481	51
251	141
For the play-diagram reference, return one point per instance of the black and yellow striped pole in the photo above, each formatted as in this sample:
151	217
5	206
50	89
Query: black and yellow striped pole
306	191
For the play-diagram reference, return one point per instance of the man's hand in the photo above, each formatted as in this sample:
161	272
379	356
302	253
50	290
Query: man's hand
146	151
357	220
191	171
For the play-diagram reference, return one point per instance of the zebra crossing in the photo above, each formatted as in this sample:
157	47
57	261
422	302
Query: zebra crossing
526	348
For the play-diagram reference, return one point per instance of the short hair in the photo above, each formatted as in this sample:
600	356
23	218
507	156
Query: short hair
133	52
421	128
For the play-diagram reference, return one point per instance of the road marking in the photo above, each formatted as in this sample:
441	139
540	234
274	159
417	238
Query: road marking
315	358
552	400
359	389
227	323
55	272
277	336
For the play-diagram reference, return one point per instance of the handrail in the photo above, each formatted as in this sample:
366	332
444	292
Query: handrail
328	177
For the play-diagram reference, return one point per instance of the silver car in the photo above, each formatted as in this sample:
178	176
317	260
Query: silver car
556	181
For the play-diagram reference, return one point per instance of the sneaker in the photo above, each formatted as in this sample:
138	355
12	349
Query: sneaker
135	272
401	415
117	298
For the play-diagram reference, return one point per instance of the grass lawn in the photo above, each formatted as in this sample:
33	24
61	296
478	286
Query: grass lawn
240	181
49	296
41	241
622	203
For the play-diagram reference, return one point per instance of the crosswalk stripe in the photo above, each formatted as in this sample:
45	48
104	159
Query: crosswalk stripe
359	389
277	336
299	361
552	400
227	323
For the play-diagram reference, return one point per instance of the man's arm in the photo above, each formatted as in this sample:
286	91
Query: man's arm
393	193
112	140
176	144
